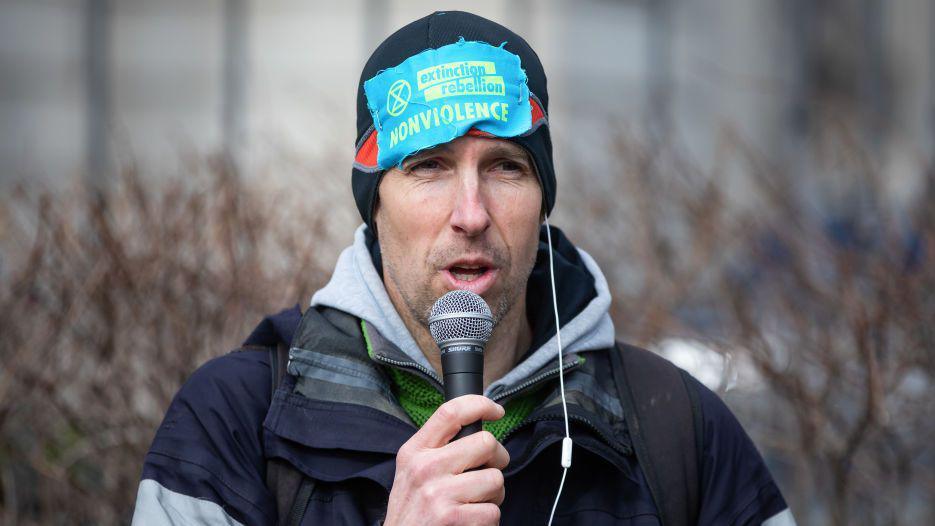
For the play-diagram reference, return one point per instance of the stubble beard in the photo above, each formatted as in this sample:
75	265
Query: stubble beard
419	300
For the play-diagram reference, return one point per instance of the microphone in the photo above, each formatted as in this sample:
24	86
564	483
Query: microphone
461	323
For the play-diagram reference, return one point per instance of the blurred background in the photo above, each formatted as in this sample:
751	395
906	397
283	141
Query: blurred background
754	177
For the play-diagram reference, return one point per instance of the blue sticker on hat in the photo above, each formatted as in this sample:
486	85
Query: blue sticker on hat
440	94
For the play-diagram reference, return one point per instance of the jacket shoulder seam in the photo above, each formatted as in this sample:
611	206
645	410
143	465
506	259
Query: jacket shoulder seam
211	473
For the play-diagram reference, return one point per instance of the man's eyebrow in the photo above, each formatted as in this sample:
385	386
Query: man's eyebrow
501	150
428	152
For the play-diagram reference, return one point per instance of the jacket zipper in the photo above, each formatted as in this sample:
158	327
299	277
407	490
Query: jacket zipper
430	375
533	381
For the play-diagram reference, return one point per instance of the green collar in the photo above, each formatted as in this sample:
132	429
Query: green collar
419	399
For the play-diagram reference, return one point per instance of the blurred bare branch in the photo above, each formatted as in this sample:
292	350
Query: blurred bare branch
828	299
110	300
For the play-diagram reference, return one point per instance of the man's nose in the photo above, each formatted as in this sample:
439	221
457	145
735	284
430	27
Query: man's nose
470	215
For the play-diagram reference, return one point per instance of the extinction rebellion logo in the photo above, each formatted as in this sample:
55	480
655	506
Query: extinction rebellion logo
397	98
451	79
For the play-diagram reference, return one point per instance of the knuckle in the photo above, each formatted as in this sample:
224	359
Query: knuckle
449	515
447	411
490	514
495	477
431	493
404	455
502	459
488	441
421	469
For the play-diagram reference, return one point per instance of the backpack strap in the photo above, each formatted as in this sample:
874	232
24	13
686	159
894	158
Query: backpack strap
300	503
663	414
289	486
278	361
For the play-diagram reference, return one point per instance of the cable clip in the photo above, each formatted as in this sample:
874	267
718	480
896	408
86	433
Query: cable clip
566	452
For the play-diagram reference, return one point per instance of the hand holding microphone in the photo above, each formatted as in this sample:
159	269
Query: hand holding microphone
441	480
460	482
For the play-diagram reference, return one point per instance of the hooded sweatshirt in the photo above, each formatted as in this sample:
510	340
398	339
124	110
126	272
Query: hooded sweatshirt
583	296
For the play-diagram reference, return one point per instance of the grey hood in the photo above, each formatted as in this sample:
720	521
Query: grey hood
356	288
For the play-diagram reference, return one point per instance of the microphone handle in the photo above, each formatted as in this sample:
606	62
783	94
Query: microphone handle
463	372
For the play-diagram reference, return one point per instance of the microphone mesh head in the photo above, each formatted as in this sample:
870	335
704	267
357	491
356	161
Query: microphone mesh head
470	318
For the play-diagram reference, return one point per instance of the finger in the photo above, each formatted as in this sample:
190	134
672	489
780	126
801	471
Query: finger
475	450
485	485
483	513
500	459
454	414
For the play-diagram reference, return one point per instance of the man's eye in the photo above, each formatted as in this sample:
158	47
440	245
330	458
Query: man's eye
428	164
511	167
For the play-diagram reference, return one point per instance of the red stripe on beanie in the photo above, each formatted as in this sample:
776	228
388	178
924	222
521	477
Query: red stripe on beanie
367	154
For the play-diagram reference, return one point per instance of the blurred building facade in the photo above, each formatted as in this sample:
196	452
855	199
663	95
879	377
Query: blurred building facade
91	85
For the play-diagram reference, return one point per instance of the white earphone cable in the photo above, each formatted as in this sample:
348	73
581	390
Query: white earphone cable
566	442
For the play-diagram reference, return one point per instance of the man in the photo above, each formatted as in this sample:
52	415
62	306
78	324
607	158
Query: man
453	178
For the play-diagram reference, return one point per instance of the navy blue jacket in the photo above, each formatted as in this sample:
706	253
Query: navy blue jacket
333	419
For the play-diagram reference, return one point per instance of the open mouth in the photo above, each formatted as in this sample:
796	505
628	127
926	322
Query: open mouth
466	273
477	276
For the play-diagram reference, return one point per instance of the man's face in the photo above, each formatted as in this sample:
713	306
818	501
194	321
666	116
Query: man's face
463	215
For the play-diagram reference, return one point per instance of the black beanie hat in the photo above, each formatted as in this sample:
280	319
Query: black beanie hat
431	32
